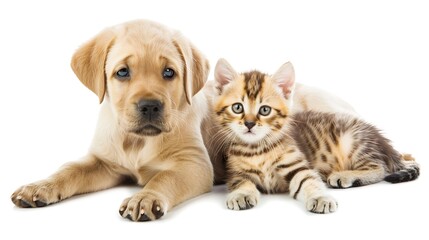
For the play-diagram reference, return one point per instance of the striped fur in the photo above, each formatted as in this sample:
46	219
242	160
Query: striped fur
296	153
348	152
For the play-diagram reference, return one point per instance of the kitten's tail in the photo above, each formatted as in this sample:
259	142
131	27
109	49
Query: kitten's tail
409	172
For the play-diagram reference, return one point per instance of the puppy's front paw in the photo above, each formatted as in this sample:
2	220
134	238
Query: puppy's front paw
239	200
36	195
324	204
143	207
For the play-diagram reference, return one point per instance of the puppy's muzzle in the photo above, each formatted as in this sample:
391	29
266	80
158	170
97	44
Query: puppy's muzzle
150	113
150	110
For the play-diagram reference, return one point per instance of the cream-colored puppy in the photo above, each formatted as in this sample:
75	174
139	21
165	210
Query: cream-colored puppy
147	78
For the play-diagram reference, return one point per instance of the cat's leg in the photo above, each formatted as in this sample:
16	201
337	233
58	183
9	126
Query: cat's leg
243	194
364	172
307	186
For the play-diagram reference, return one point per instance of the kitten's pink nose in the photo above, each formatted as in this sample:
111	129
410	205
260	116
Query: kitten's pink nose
249	125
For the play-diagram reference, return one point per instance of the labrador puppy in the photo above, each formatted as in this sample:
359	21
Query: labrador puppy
147	78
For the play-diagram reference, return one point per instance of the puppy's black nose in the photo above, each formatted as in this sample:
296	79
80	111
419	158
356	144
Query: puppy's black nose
249	125
150	109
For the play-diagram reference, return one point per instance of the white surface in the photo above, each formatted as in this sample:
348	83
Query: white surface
374	55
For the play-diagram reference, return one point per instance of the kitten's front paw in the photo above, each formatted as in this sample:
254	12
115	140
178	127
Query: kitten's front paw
38	194
324	204
342	180
240	200
143	207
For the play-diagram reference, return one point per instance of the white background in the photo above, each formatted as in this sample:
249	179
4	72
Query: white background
374	54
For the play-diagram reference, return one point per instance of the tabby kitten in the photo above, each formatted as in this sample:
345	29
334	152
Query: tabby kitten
273	151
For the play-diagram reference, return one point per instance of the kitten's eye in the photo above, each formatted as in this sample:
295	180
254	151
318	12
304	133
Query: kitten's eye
237	108
123	73
168	74
265	110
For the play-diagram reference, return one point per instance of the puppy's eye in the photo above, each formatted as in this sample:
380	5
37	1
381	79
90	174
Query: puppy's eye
168	74
237	108
265	110
123	73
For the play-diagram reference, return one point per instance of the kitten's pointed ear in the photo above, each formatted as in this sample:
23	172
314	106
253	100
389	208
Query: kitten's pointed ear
223	73
285	79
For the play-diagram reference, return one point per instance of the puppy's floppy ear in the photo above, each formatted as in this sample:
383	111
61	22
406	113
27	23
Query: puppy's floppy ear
196	67
88	63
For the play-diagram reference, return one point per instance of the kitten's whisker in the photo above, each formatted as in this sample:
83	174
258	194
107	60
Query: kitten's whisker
220	139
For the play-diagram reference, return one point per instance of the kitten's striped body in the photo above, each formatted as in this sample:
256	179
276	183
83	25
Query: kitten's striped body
274	167
348	152
275	151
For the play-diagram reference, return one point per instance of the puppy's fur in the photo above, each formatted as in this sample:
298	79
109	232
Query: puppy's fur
166	153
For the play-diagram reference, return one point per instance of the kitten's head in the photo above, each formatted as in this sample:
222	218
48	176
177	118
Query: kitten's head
253	105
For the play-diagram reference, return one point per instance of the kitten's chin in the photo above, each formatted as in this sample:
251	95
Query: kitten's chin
250	137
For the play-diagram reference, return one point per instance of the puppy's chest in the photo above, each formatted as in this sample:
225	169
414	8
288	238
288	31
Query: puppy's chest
133	153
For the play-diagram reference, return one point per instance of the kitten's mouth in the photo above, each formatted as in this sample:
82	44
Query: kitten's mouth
249	133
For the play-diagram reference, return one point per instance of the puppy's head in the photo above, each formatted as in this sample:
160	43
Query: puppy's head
148	72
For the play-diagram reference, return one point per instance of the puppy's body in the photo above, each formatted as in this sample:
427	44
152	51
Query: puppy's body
152	154
147	78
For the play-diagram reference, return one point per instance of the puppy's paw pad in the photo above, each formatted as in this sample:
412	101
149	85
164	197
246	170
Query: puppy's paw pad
142	208
157	210
143	218
35	195
40	203
23	204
